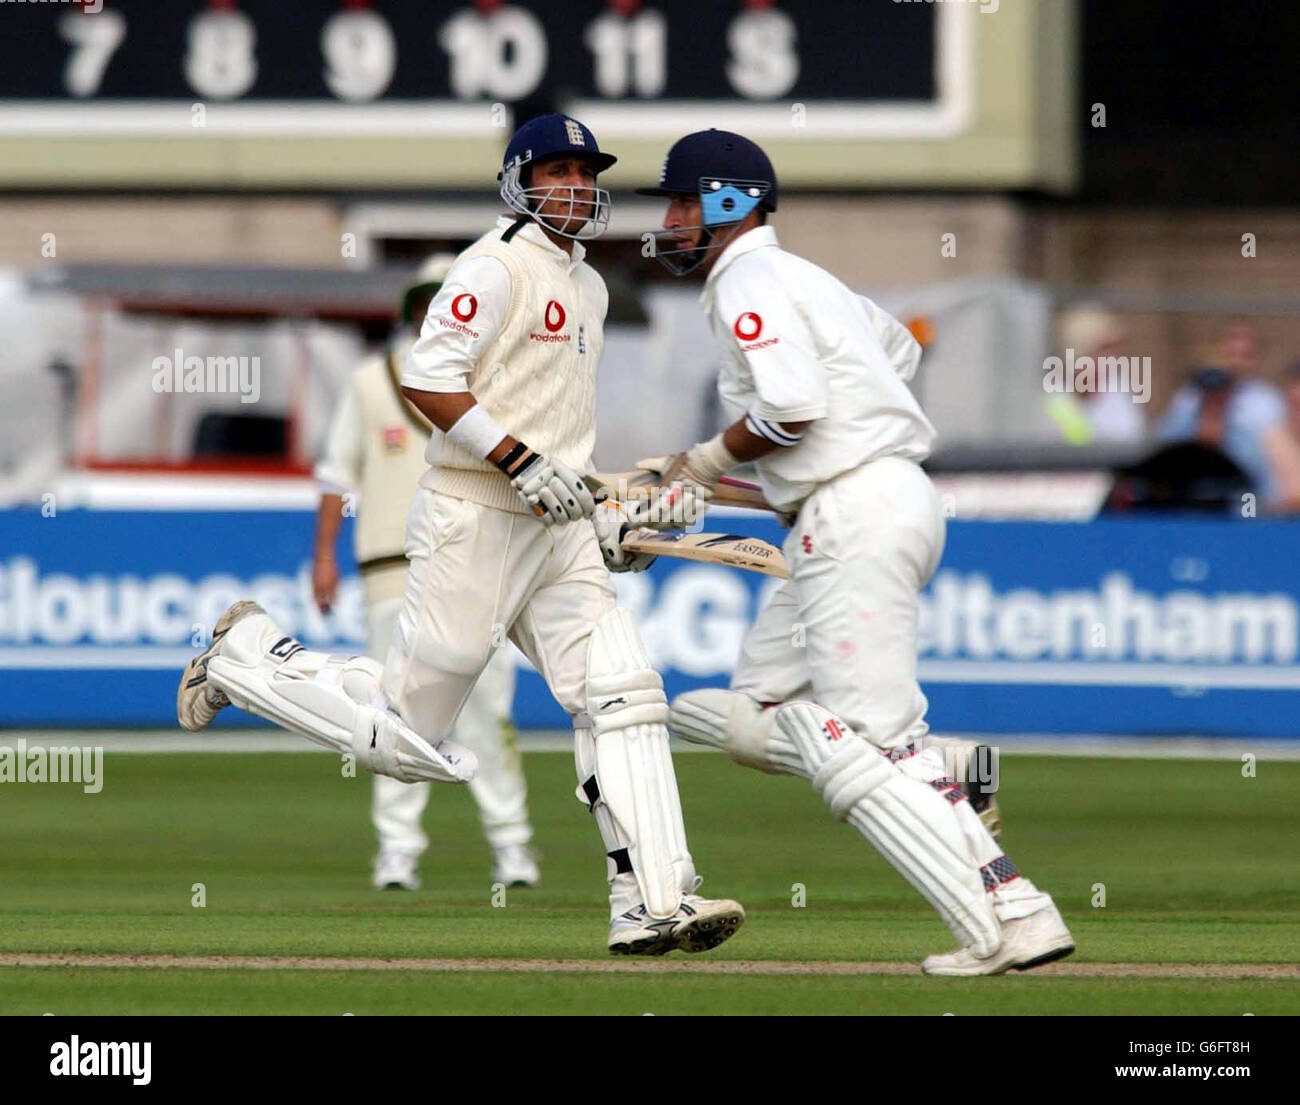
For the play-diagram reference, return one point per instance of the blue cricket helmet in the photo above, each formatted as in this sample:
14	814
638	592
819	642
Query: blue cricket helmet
552	136
730	174
549	135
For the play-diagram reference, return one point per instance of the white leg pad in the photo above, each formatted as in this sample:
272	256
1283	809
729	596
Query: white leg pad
909	823
624	889
739	726
633	766
333	701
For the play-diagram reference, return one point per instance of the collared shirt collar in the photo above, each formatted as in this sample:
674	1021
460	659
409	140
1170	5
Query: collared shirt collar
531	232
757	238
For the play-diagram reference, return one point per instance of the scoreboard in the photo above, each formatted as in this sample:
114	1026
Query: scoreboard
343	55
207	71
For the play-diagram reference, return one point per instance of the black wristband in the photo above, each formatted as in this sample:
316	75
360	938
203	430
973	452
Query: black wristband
509	464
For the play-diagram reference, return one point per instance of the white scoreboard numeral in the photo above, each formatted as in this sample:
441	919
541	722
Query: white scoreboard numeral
93	38
220	63
478	45
763	63
360	54
629	52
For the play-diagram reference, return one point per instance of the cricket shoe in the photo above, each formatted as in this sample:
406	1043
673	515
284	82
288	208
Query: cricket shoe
197	700
394	871
1027	942
698	925
515	865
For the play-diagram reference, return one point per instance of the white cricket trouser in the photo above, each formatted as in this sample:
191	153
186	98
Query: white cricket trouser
484	726
477	576
842	629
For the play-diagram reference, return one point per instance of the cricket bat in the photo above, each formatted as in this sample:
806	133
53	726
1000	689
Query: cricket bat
731	549
726	492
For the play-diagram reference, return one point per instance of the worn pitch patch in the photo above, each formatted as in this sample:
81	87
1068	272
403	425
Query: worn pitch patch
490	965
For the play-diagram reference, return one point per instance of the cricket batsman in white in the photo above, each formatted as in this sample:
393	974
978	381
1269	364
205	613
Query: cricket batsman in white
504	540
826	688
375	448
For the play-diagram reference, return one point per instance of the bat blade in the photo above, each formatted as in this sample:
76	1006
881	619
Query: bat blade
731	549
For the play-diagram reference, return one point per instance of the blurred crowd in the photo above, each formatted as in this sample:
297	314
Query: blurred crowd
1228	435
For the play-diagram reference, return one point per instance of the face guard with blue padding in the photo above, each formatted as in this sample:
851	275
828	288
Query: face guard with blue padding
722	203
587	207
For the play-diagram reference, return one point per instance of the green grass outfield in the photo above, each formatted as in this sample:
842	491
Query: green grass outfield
1201	869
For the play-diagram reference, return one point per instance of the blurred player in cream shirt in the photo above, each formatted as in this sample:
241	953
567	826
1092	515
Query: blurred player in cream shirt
375	449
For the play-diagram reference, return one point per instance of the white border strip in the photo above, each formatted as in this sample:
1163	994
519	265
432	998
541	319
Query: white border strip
185	492
264	119
195	491
1085	673
92	657
155	741
1081	673
371	222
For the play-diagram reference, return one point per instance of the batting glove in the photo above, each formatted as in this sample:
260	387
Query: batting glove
551	490
702	465
611	524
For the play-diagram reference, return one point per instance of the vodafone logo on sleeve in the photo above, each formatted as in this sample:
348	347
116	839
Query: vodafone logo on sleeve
463	308
747	327
553	319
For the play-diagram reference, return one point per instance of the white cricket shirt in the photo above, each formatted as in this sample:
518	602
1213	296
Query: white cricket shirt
798	345
519	323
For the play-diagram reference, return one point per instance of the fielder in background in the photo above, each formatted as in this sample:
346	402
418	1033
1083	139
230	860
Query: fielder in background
814	377
505	540
375	448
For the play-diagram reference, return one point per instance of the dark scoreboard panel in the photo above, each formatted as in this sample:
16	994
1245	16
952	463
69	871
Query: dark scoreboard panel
133	52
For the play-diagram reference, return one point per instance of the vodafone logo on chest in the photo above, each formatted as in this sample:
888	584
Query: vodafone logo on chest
747	327
463	308
553	318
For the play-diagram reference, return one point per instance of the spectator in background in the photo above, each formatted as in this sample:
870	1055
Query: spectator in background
1228	406
1287	450
1090	417
1239	351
